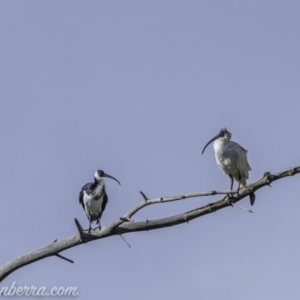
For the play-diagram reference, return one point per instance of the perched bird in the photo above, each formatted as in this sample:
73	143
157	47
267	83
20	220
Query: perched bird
93	197
231	158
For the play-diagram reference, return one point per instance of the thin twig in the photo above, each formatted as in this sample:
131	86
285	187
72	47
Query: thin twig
80	229
121	236
144	196
64	258
240	207
126	219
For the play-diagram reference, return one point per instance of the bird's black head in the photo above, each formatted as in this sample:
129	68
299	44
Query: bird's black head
99	174
223	133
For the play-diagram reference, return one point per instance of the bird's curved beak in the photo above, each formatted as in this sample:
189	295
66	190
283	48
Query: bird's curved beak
108	176
213	139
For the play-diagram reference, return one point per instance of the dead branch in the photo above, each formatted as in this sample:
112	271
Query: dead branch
119	226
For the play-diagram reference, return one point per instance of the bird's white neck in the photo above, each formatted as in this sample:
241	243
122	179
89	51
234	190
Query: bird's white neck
99	181
219	144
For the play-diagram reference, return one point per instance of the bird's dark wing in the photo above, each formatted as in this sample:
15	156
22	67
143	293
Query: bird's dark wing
105	199
87	187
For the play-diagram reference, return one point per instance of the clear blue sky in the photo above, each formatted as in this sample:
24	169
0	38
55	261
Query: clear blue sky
137	88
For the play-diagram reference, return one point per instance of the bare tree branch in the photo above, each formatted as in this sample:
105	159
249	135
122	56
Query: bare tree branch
119	226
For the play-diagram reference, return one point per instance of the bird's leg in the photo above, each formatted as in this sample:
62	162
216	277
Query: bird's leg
98	222
90	227
239	186
231	187
231	178
237	191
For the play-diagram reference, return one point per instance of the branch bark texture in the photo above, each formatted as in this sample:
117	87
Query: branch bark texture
126	224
